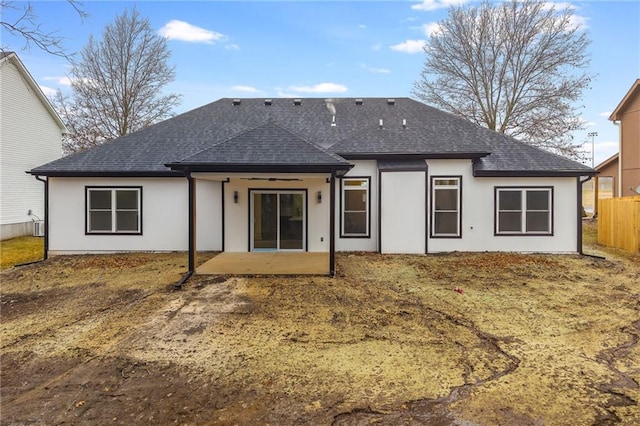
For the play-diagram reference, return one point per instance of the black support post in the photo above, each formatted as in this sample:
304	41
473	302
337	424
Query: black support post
192	223
46	216
332	224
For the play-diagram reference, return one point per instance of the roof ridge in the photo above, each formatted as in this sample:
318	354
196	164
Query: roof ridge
302	138
263	124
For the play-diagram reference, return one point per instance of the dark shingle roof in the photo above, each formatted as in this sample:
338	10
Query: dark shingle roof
268	144
519	158
228	131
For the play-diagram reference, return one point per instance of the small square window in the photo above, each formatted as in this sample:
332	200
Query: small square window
524	211
114	210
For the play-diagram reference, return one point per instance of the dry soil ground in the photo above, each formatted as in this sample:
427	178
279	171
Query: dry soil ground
529	339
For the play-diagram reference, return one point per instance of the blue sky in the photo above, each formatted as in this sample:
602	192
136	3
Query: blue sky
324	49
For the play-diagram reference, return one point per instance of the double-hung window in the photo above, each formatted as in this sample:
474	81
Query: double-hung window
524	211
355	207
445	206
114	210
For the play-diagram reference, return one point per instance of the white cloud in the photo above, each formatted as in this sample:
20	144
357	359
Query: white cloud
429	5
607	146
430	28
48	91
247	89
605	114
559	5
320	88
579	22
232	46
63	81
377	46
375	70
362	26
184	31
409	46
286	95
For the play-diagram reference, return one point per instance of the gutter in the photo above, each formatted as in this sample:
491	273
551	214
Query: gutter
45	255
192	239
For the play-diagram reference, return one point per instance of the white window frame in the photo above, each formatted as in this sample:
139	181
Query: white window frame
458	211
523	210
367	210
114	210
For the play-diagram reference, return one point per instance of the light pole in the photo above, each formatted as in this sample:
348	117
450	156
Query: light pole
593	135
594	183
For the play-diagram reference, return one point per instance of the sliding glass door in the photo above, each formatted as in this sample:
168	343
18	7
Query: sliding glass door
277	220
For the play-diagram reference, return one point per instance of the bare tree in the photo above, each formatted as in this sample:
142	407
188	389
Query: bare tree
517	67
20	19
117	83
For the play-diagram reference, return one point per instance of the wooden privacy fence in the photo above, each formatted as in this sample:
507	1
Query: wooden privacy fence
619	223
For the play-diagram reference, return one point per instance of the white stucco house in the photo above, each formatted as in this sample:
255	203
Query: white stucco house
314	175
30	135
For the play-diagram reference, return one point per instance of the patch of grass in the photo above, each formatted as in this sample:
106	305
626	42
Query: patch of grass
589	232
20	250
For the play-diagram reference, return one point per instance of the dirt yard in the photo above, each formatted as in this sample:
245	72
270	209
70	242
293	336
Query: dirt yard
526	340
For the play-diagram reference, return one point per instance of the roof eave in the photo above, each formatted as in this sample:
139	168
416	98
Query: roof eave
104	173
413	156
260	168
608	161
533	173
615	115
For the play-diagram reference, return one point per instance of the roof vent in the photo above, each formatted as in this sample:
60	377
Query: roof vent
297	102
333	121
268	102
236	101
381	123
358	101
404	123
391	101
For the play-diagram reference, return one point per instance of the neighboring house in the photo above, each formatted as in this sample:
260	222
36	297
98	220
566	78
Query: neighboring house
316	175
30	134
606	183
627	117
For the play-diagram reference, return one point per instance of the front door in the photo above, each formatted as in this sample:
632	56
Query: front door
277	220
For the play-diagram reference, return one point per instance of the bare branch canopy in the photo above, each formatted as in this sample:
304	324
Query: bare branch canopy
117	84
516	67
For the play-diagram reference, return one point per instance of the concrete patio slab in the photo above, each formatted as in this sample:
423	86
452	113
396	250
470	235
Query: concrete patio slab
267	263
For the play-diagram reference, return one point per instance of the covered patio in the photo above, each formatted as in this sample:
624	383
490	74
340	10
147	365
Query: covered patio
267	263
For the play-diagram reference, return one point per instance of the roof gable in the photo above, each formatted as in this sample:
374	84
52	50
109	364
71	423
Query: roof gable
267	144
631	96
12	58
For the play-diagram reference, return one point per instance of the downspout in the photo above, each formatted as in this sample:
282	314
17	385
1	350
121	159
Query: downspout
46	216
192	238
618	185
379	211
332	225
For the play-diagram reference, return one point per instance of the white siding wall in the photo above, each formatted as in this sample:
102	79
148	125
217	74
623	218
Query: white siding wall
402	212
237	214
208	215
164	216
362	168
29	137
478	213
165	220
